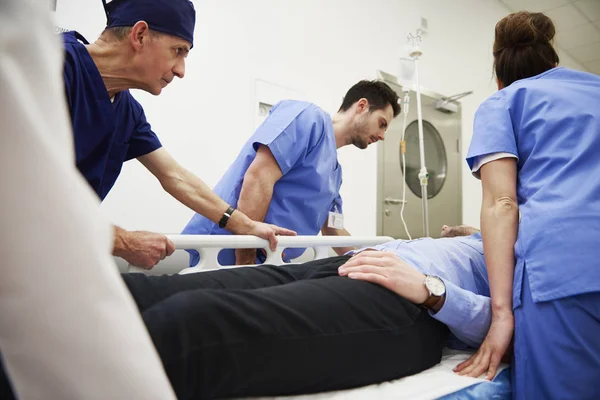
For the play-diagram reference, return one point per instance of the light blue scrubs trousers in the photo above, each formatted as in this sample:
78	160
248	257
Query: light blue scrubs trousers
557	347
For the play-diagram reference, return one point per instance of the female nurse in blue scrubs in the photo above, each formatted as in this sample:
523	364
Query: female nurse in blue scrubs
536	147
143	47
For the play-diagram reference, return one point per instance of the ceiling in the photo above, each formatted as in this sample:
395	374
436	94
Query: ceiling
577	24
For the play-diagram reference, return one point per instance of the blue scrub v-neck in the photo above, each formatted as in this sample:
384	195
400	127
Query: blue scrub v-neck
106	134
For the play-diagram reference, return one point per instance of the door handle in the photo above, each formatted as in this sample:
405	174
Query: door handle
389	200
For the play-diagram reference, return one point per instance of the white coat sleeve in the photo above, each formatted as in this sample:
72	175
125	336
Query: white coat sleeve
69	329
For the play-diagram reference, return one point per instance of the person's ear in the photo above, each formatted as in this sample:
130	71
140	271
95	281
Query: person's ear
362	105
140	34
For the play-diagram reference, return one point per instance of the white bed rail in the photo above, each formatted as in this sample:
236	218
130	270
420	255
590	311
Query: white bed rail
210	246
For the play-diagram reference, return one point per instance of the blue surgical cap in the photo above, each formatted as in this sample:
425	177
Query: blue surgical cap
173	17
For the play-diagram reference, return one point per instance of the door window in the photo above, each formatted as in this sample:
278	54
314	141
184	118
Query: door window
435	159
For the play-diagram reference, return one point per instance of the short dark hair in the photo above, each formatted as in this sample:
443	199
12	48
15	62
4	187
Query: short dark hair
523	46
378	93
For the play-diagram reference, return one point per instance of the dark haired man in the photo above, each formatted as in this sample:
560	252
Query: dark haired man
287	173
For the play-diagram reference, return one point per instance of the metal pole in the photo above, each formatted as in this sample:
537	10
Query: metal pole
423	175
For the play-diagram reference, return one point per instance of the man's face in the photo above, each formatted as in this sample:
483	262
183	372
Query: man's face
162	59
370	127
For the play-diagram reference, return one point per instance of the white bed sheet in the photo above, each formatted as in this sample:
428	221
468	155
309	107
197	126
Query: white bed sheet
433	383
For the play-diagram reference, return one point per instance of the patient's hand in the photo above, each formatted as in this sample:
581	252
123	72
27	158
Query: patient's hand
459	230
389	271
142	249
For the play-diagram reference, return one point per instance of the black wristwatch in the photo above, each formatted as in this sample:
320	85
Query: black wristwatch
225	217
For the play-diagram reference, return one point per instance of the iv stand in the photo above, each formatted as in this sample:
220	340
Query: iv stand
415	41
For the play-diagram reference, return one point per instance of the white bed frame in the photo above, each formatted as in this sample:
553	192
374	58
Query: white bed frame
210	246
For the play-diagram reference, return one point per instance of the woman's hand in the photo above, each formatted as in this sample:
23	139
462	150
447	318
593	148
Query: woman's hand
492	349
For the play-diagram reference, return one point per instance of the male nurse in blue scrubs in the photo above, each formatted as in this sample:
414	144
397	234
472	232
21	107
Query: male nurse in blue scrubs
144	46
287	173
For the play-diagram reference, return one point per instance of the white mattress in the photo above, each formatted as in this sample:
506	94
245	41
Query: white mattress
430	384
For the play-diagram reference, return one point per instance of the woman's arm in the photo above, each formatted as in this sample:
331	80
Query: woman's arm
499	225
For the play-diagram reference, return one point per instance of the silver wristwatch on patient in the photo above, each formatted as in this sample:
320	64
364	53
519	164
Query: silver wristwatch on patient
437	292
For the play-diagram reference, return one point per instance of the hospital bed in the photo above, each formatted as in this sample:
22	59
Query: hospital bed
438	382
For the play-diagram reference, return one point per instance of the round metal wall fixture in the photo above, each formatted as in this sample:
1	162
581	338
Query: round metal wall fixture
435	159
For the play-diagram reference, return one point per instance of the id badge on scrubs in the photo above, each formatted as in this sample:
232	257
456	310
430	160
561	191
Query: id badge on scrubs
336	220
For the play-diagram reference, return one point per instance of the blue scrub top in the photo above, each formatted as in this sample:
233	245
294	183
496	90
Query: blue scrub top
106	133
300	136
551	123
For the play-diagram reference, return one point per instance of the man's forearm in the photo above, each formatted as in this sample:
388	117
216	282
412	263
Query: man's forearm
327	231
195	194
255	197
499	223
119	241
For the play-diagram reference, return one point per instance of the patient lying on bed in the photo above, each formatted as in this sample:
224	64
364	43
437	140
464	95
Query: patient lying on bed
329	324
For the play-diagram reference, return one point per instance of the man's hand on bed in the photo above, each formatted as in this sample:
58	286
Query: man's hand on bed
389	271
140	248
490	353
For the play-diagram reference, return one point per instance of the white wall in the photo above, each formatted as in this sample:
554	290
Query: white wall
317	47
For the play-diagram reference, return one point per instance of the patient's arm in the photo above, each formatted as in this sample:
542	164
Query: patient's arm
467	315
256	194
327	231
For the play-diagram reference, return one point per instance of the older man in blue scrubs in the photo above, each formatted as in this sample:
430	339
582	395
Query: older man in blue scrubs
287	173
143	47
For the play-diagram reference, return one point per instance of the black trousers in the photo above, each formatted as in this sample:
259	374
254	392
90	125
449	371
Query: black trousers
276	330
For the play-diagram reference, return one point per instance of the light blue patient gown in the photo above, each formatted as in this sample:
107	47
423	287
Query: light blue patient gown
300	136
551	123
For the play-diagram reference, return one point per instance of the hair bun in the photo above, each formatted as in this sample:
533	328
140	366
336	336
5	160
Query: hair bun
524	29
523	47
